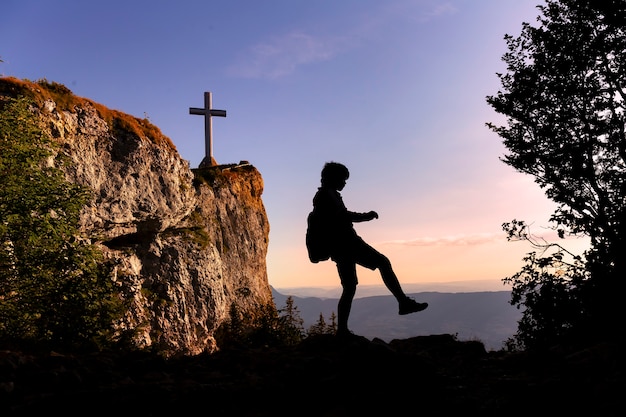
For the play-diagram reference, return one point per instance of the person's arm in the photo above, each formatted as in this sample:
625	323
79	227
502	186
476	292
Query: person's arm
362	217
329	205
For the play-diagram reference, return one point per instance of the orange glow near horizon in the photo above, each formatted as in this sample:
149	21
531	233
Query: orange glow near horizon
416	264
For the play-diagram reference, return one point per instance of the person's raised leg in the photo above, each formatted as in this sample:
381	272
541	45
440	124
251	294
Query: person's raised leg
389	278
406	305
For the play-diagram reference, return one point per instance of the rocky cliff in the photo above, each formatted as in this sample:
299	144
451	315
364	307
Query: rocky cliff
186	244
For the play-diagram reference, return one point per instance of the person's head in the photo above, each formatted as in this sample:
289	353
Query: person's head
334	175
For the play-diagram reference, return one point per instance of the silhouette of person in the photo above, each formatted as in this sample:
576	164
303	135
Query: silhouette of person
338	240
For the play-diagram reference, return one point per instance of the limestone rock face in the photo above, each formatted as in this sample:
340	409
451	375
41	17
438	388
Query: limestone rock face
186	244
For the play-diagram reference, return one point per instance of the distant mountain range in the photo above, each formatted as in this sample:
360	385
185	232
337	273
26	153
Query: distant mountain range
476	285
486	316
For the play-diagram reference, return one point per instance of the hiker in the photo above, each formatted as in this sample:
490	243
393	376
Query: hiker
331	235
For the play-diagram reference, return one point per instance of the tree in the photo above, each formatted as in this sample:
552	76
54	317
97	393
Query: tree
549	286
563	96
321	327
263	327
292	324
332	326
55	288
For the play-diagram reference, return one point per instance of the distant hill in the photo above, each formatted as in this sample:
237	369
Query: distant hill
485	316
334	291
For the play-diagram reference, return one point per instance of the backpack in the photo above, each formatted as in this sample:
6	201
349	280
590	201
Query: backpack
317	244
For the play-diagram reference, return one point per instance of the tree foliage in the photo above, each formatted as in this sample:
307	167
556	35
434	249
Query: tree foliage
291	322
550	286
563	96
268	326
321	327
55	288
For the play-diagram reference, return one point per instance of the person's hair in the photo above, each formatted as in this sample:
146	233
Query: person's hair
333	172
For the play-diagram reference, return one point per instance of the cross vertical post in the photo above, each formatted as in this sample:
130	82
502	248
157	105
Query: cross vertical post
208	112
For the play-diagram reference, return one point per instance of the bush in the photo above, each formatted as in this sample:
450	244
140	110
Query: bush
55	289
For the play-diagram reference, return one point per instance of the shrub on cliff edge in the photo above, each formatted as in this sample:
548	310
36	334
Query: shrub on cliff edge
55	290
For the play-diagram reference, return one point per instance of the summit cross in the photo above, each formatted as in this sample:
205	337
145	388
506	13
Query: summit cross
208	112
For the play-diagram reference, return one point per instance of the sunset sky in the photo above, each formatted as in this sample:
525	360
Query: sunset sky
393	89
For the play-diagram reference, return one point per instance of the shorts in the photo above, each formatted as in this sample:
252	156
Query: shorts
357	253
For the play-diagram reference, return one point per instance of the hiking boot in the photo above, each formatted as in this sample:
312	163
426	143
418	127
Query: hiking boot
409	306
345	334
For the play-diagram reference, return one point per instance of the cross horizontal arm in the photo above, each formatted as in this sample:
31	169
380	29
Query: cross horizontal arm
204	112
219	113
195	110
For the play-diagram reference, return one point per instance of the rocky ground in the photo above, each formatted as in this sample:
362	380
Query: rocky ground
429	375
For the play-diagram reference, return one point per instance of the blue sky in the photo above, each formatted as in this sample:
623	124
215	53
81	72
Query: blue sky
393	89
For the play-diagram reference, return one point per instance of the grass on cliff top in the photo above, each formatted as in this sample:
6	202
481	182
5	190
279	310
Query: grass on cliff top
218	175
43	90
